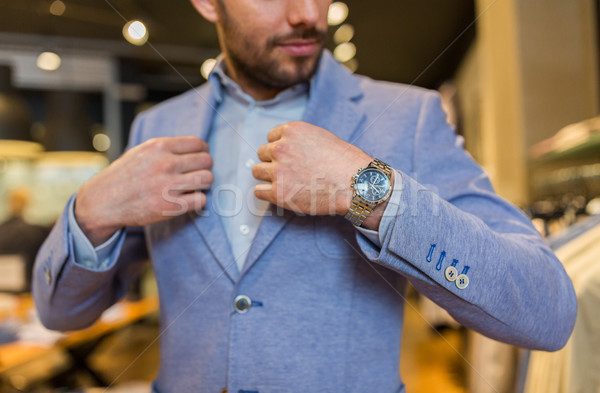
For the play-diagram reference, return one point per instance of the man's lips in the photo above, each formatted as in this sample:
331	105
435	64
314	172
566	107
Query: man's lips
299	47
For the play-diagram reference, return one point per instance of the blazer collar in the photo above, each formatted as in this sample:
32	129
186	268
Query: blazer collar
333	105
334	96
198	121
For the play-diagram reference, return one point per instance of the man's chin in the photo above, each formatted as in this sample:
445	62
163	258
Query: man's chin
283	70
297	69
287	78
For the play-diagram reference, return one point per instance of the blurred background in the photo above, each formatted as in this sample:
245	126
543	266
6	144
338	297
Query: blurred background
520	81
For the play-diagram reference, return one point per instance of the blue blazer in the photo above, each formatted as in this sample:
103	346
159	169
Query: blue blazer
326	304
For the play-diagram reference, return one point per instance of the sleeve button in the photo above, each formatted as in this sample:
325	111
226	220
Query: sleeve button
451	273
462	281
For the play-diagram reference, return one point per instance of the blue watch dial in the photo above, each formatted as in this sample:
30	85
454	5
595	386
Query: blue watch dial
372	185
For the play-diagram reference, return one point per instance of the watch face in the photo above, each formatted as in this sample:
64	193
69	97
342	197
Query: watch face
372	185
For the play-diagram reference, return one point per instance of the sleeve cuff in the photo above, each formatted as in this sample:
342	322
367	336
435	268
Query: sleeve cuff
83	251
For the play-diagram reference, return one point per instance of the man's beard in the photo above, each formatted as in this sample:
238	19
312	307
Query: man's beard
256	64
267	71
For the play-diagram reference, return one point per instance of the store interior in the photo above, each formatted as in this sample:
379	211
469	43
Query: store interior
519	80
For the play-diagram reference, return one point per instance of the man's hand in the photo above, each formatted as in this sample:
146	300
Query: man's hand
159	179
307	169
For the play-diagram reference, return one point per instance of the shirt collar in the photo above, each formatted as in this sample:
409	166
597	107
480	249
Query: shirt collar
224	85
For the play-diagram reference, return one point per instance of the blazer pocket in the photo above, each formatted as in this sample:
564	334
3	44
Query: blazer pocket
335	238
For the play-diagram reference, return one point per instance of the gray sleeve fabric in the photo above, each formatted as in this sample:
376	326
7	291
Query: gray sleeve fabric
73	284
518	291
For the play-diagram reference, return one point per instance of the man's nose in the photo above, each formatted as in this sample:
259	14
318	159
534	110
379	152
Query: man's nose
303	12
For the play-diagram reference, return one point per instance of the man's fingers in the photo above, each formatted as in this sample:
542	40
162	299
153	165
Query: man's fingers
263	171
193	201
185	144
264	191
193	162
192	181
275	133
264	153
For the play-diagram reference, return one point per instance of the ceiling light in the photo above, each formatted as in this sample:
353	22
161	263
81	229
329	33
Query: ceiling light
207	67
48	61
135	32
338	12
101	142
343	34
57	8
344	52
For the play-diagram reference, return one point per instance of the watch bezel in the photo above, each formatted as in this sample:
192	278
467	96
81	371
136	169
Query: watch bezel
357	193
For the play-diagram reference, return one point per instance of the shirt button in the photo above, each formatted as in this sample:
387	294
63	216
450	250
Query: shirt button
462	281
451	273
249	163
244	229
242	303
48	276
224	390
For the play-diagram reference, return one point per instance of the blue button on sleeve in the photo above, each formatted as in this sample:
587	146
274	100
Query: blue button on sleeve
84	252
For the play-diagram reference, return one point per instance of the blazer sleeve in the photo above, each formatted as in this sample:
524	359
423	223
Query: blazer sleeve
517	290
70	296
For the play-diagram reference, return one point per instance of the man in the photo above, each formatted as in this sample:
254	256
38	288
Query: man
264	286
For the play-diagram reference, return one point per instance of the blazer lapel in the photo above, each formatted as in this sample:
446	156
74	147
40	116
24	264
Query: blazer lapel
207	222
334	97
332	105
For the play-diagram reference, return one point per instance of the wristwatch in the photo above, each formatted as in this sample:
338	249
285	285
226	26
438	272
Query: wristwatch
372	186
